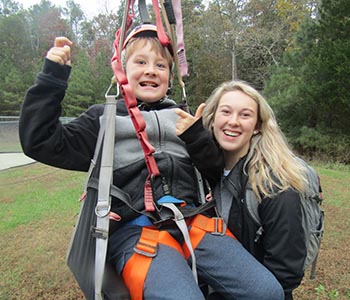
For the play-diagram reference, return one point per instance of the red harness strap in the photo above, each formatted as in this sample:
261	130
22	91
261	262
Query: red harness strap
200	225
130	99
136	268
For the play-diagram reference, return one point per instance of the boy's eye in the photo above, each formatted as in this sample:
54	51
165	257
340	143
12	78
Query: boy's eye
140	62
161	65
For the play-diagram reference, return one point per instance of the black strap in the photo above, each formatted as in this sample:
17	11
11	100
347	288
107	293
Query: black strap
144	12
157	217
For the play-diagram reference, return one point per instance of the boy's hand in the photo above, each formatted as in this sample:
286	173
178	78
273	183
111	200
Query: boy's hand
186	120
60	52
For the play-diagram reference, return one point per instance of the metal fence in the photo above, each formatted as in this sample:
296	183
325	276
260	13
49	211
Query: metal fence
9	139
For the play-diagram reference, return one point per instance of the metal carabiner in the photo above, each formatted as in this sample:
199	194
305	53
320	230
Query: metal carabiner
112	84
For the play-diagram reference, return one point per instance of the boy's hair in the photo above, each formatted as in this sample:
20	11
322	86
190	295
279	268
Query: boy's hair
270	164
140	36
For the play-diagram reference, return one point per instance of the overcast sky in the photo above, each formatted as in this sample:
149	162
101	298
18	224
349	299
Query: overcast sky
90	7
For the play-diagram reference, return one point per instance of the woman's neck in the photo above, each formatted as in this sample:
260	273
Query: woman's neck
230	160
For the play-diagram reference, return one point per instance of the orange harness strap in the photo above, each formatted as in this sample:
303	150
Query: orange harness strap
200	225
136	268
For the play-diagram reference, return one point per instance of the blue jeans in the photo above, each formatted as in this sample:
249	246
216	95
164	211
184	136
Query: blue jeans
222	263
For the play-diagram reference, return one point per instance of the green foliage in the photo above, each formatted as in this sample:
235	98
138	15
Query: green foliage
80	92
298	55
26	36
309	92
322	292
11	89
15	62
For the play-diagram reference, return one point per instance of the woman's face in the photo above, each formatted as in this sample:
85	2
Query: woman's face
235	122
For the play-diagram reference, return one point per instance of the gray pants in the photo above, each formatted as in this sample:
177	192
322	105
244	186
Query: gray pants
222	263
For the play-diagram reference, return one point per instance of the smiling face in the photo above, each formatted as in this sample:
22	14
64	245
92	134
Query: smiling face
234	123
148	72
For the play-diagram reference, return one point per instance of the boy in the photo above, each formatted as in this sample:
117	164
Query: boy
221	260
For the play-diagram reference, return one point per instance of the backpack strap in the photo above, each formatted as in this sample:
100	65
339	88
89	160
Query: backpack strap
252	205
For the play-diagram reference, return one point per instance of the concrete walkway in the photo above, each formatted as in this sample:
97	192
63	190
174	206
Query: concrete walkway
10	160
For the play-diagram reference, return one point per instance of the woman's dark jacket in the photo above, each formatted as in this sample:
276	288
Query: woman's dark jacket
281	247
71	146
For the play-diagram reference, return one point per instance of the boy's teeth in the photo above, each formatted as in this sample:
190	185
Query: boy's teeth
148	84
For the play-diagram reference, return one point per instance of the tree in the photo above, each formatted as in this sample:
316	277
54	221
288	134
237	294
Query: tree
206	50
12	91
44	24
8	7
309	92
80	92
75	17
15	62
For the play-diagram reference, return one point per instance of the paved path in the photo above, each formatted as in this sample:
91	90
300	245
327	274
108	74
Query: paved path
10	160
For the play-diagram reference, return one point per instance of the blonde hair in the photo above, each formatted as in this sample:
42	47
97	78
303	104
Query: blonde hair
271	165
140	42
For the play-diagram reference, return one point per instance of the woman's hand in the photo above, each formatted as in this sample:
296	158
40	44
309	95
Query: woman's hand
186	120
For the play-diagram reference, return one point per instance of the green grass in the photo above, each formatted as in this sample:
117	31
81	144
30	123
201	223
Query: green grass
39	206
35	193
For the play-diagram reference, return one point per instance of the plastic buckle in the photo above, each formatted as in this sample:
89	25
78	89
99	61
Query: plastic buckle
143	251
99	233
219	226
152	179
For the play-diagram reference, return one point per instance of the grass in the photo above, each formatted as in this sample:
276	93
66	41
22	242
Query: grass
39	205
33	193
39	208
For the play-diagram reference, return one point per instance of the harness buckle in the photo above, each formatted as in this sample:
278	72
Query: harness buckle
98	233
145	249
219	226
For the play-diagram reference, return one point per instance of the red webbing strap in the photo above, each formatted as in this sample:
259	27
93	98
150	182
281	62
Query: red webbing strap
136	268
133	110
200	225
162	36
137	120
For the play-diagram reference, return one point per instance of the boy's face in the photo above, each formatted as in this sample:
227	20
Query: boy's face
148	74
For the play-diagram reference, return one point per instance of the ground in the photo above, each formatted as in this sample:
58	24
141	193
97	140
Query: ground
34	268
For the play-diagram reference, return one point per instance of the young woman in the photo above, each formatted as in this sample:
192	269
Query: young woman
221	260
255	151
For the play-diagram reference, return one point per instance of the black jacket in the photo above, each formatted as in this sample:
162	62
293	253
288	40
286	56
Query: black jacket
281	247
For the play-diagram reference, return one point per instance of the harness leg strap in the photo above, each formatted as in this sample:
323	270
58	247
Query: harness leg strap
200	225
136	268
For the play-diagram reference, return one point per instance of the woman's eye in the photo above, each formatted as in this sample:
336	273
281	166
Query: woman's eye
225	111
246	114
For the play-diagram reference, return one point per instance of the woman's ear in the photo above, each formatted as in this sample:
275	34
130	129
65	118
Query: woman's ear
256	131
